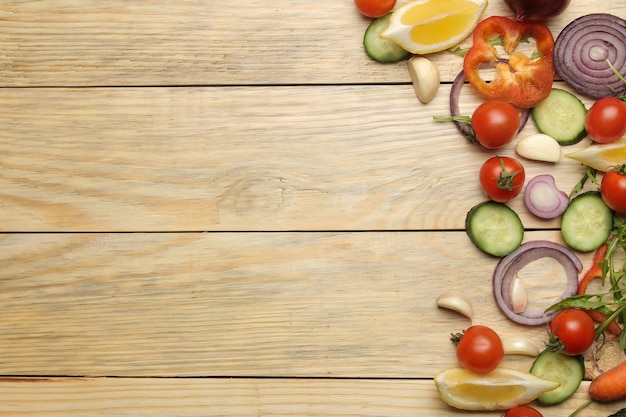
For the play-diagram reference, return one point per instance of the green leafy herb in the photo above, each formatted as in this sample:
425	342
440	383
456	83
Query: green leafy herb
613	302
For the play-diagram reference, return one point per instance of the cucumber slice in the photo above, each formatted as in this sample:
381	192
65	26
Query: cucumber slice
587	222
379	49
494	228
559	367
562	116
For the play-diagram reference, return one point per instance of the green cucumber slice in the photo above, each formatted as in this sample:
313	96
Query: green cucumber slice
587	222
379	49
494	228
562	116
559	367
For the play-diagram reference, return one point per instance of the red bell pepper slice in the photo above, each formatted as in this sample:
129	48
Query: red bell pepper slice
523	80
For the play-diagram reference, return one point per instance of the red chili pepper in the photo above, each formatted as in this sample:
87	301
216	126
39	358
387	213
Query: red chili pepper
596	272
523	80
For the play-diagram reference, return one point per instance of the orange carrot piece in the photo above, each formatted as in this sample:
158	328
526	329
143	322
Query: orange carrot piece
609	386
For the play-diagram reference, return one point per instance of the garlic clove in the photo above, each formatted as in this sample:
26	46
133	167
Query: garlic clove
539	147
455	301
519	295
519	345
425	76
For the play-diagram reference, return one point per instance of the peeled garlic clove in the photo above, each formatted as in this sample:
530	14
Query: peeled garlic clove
519	345
539	147
519	295
425	77
456	302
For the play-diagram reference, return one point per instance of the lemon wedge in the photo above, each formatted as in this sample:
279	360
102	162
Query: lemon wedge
601	156
427	26
499	389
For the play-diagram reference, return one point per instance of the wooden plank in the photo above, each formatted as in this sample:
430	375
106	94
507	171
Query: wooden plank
172	159
196	42
242	397
247	304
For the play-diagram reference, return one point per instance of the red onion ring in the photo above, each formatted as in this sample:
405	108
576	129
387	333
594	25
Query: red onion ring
455	94
509	265
581	52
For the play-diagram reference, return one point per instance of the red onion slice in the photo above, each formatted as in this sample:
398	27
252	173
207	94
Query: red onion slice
543	198
510	265
581	52
455	94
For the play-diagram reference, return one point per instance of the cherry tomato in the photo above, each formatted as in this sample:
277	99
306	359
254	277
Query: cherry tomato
480	349
374	8
575	329
613	188
495	123
502	178
523	411
606	120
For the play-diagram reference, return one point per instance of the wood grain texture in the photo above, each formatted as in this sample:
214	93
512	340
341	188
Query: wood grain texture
243	397
196	42
246	304
176	159
213	208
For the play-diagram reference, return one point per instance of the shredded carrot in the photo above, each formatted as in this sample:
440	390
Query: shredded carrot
609	386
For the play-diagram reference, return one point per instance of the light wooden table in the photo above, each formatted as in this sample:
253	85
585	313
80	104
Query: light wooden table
224	208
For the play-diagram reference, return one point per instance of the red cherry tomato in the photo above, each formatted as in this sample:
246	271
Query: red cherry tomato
502	178
374	8
613	188
480	349
575	329
495	123
523	411
606	120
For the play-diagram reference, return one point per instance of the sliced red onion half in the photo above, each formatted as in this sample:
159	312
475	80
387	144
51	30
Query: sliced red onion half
581	52
510	265
543	199
455	94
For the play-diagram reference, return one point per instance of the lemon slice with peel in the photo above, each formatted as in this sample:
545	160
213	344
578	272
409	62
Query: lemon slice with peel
602	156
427	26
499	389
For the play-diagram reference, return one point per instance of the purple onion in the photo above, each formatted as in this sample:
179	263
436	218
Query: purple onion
543	199
583	51
536	10
510	265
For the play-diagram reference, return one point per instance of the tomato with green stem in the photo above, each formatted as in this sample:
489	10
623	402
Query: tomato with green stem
479	349
605	121
613	188
572	332
374	8
502	178
523	411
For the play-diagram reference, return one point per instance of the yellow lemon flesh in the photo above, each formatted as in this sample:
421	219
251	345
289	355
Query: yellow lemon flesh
500	389
427	26
602	156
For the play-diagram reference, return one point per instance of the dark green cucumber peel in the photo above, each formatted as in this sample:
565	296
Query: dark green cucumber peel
564	369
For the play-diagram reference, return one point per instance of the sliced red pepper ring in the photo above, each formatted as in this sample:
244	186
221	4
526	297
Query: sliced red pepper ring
523	80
